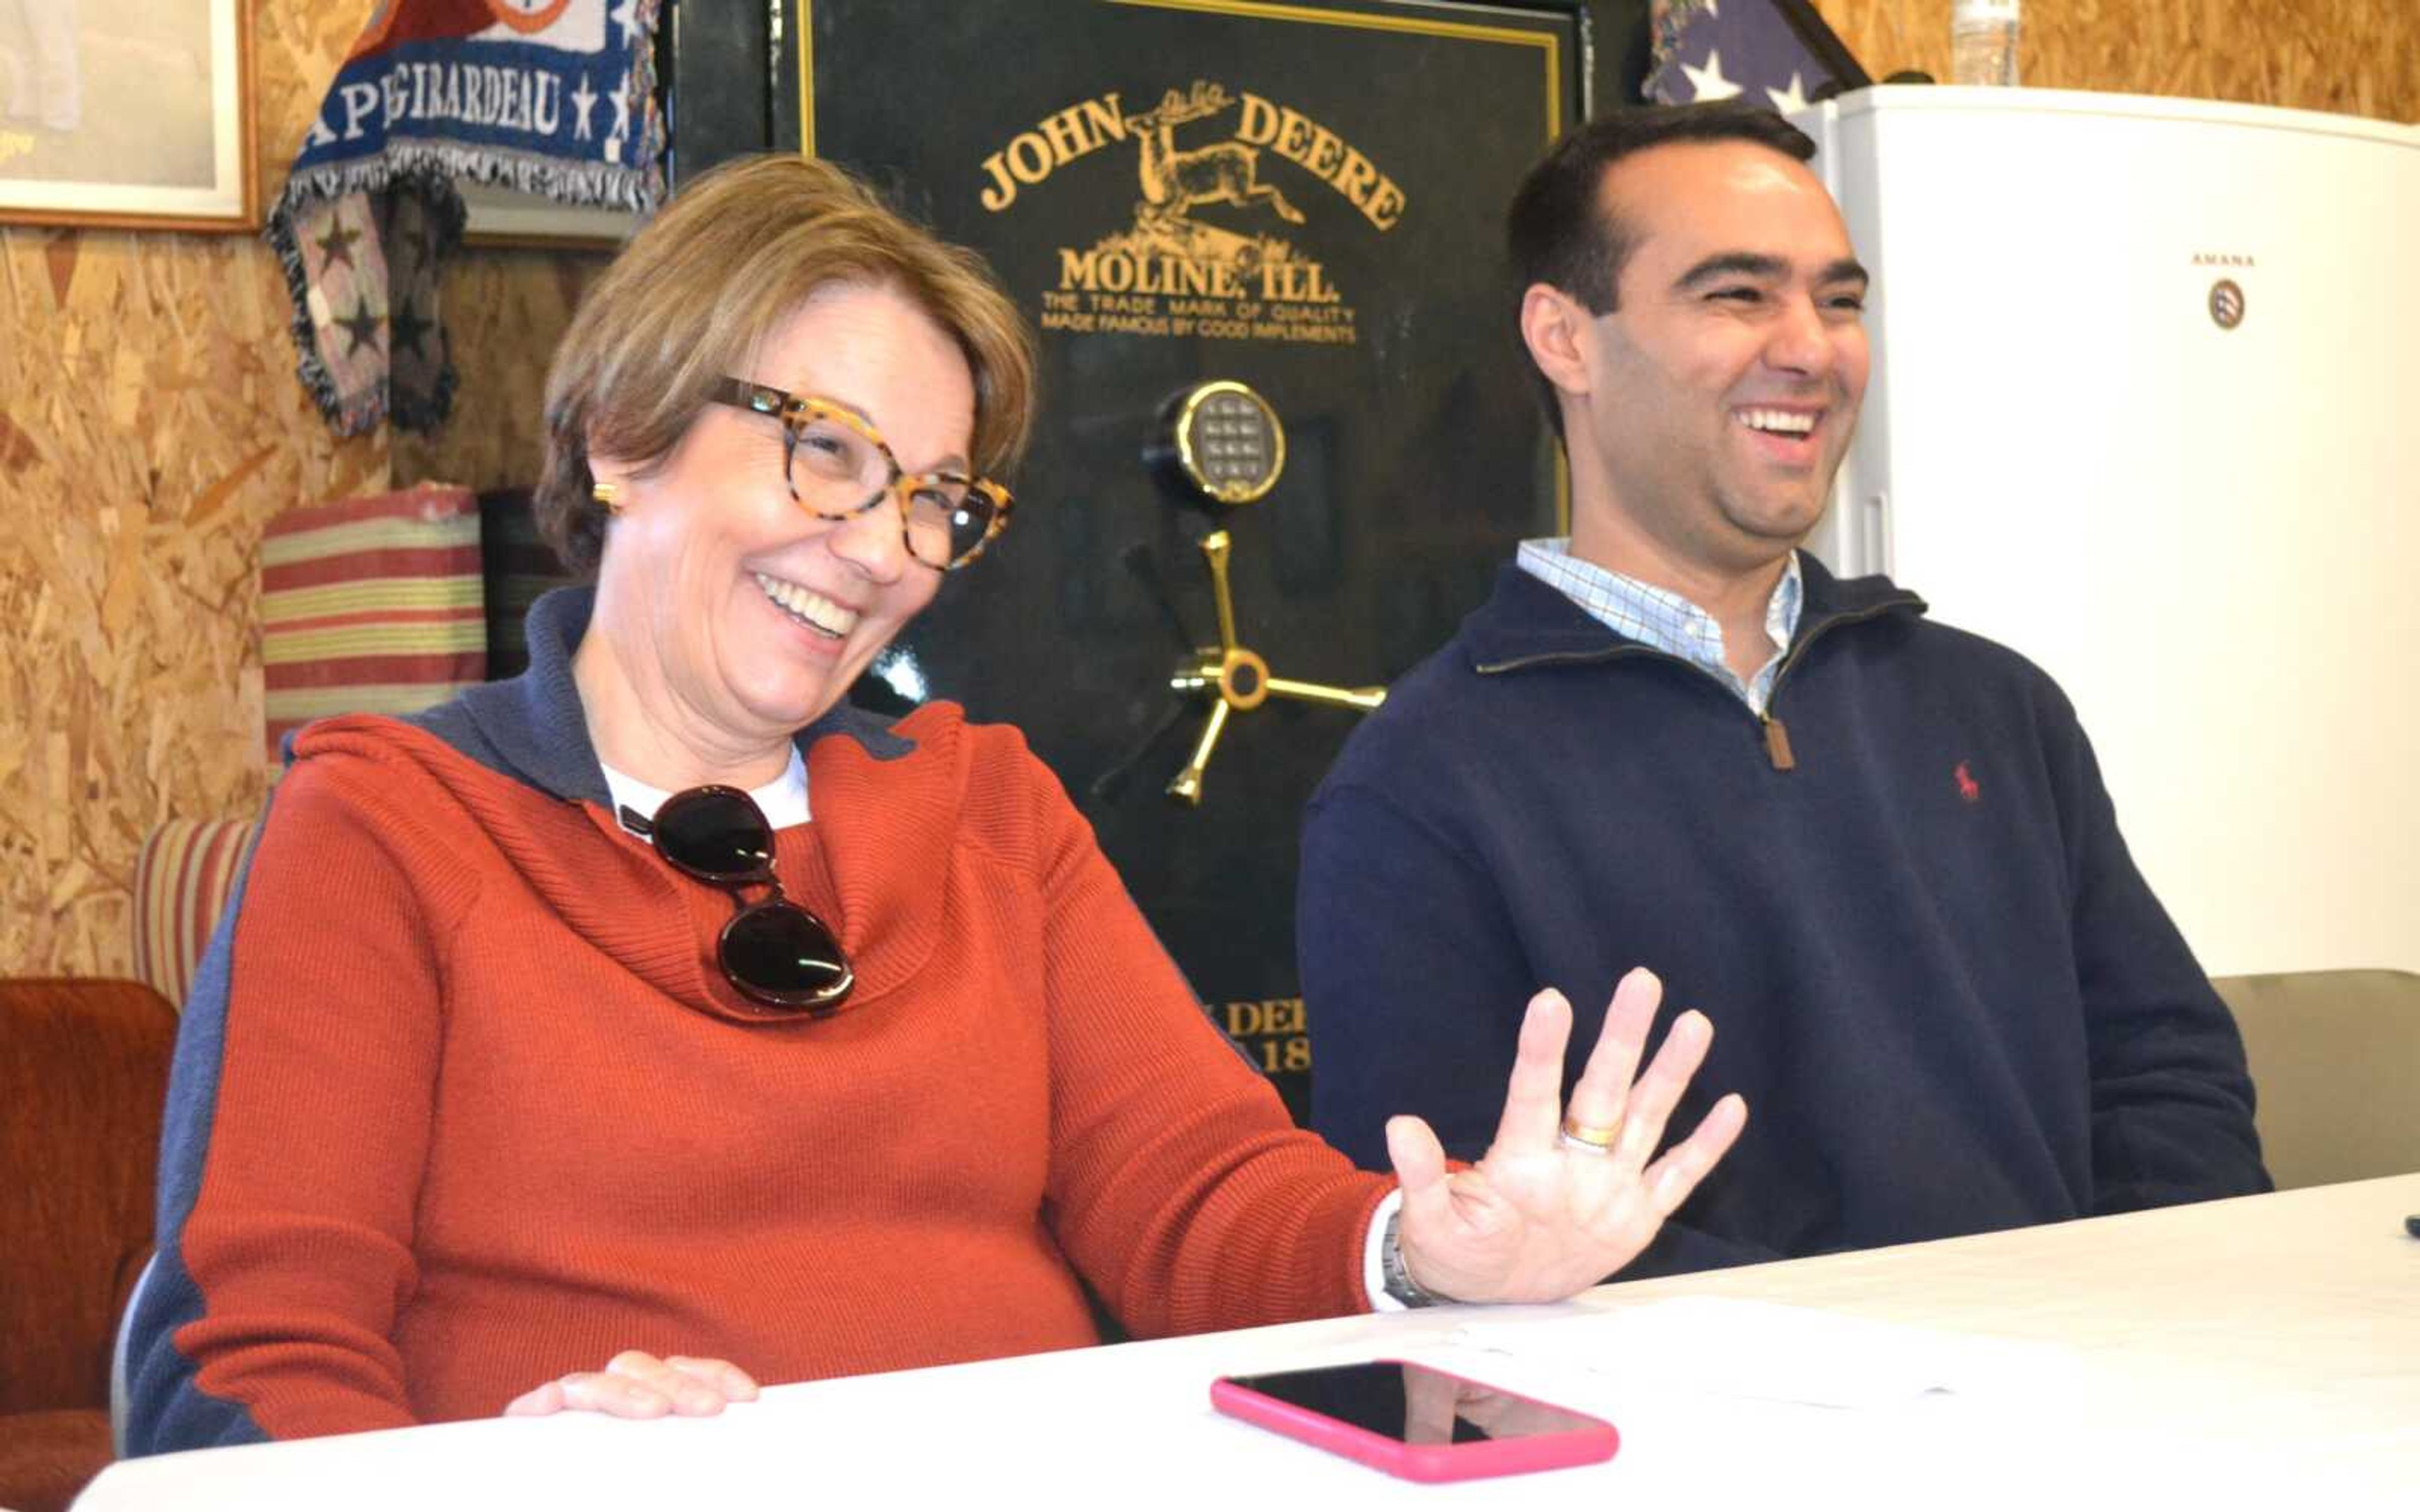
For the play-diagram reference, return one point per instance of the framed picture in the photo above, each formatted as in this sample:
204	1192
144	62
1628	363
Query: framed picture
127	112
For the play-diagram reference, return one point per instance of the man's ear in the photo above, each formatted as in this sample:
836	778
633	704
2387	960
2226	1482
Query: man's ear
1554	327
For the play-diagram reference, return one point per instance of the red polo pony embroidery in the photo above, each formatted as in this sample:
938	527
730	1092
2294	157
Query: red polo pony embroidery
1969	788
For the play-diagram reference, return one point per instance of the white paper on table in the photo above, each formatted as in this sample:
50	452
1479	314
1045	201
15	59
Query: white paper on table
1765	1351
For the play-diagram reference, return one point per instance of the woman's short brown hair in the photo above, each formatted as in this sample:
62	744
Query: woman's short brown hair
688	302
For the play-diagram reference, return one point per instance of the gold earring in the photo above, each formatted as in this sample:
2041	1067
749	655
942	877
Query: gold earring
607	494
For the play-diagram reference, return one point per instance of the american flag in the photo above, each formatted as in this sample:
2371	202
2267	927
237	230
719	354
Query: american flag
1775	52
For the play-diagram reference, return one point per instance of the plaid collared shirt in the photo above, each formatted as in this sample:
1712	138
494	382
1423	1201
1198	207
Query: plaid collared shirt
1662	619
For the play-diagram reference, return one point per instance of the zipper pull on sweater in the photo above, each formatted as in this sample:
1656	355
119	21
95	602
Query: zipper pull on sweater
1776	743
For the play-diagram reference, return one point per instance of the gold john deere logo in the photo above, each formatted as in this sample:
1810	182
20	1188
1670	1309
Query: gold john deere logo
1172	273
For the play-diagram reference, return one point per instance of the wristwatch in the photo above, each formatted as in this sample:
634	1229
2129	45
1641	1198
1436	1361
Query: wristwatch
1396	1276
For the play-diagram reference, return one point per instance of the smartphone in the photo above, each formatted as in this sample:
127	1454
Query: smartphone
1419	1423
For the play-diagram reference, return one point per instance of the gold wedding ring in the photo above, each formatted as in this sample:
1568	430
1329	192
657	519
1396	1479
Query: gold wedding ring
1594	1139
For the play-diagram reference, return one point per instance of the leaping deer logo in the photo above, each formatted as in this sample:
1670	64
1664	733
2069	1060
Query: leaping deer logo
1224	173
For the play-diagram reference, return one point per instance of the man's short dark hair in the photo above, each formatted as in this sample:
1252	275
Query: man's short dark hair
1560	232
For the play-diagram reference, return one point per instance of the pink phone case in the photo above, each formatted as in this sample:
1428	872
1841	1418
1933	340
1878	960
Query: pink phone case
1587	1445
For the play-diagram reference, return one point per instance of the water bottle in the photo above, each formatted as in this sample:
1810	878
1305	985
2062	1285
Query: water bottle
1983	42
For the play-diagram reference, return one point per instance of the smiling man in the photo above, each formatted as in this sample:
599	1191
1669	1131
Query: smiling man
1875	849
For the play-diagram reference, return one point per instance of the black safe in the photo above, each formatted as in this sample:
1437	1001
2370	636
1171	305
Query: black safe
1286	433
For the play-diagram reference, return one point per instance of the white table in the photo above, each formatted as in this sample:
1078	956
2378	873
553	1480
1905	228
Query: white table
2263	1351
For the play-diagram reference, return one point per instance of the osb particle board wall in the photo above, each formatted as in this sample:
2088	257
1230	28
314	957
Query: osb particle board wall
150	427
2356	57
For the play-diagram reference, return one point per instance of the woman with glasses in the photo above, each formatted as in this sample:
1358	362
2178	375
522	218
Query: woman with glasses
658	1021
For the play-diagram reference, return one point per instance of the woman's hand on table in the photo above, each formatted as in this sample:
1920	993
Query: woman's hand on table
635	1383
1545	1215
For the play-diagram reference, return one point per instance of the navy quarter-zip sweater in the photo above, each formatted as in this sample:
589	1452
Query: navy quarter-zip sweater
1949	998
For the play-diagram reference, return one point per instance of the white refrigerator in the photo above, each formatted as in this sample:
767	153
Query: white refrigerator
2146	407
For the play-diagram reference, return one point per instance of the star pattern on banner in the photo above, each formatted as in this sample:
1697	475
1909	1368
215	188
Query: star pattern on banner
406	328
1709	82
582	100
337	245
361	326
621	97
1771	52
624	14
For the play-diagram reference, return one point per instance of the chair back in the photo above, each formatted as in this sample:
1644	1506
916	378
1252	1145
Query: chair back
2335	1063
182	876
369	606
83	1070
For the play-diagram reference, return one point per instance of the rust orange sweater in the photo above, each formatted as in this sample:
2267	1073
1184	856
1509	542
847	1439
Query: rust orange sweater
455	1112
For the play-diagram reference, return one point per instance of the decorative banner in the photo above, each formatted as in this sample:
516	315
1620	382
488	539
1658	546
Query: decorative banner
545	97
1777	53
1304	200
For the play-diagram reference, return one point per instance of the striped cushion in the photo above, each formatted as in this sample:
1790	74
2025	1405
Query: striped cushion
370	606
181	879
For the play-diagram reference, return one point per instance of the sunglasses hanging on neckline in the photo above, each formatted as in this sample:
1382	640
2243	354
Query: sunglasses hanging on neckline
775	951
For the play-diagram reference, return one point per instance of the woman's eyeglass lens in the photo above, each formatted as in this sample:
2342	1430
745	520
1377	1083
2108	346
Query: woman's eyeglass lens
840	465
775	951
